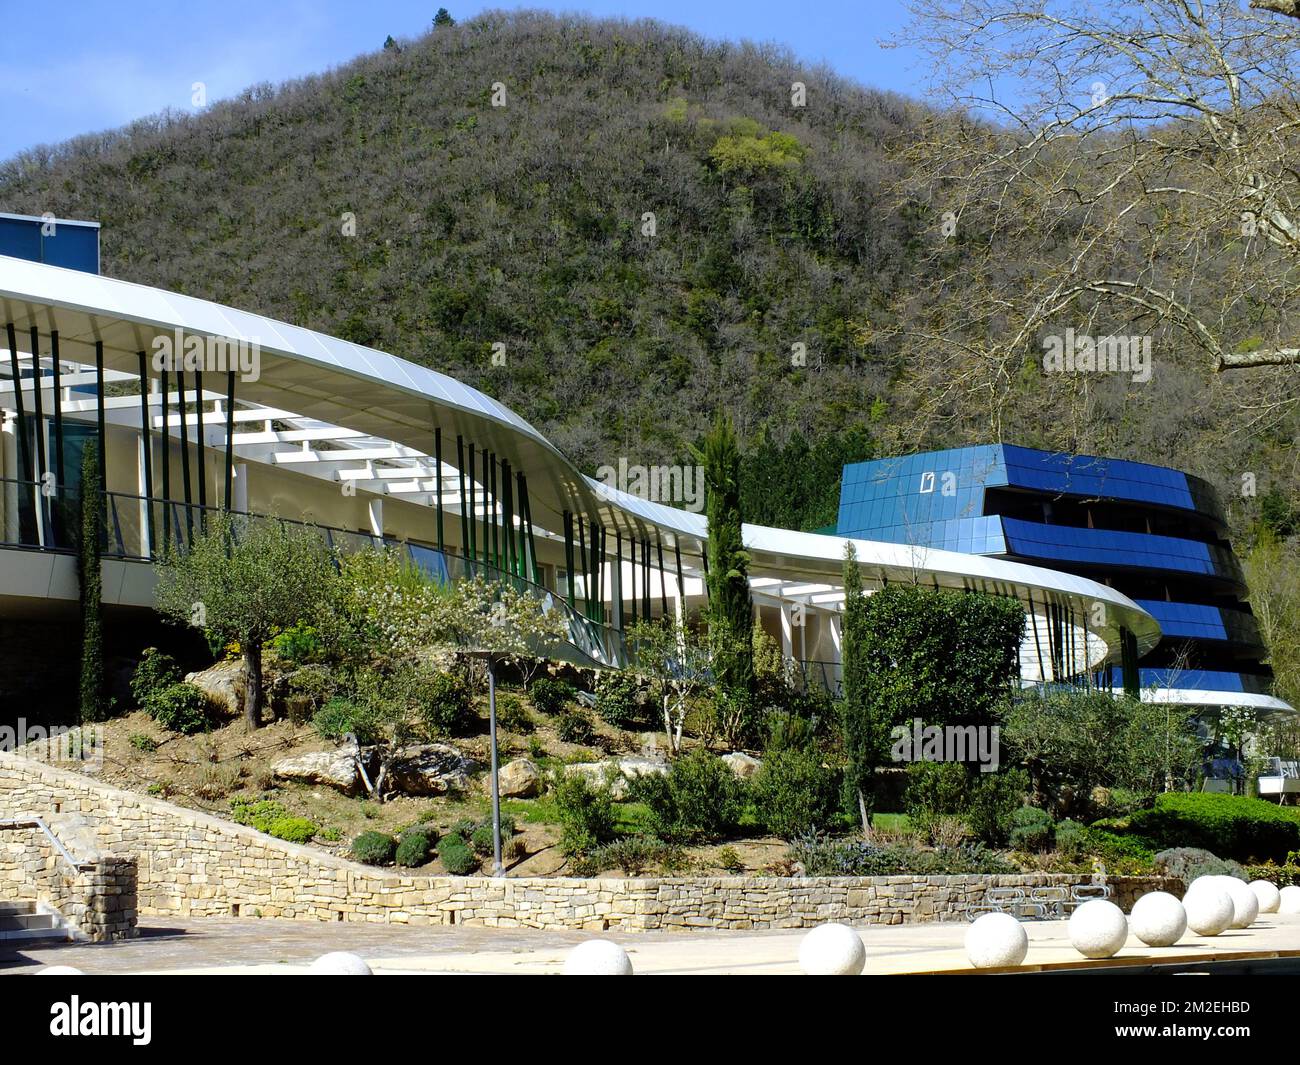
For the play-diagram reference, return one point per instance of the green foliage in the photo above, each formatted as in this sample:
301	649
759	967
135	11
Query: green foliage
448	710
747	154
730	612
180	708
374	848
1229	825
482	838
828	857
260	814
93	702
730	861
943	657
621	700
415	846
512	714
456	855
796	795
1031	829
574	726
634	856
141	742
154	672
339	717
550	696
243	580
1071	839
864	721
698	799
586	815
300	643
986	801
293	829
797	485
1073	742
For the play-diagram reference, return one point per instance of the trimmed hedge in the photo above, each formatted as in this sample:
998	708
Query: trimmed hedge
1230	826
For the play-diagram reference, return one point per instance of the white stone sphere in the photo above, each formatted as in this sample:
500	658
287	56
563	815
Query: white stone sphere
1158	919
1288	900
1209	908
1268	895
832	950
598	957
340	963
59	970
996	940
1098	929
1245	904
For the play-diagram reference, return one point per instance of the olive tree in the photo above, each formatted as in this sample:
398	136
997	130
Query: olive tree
242	580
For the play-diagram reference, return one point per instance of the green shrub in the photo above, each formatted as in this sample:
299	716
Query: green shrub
298	643
339	717
293	829
795	793
574	726
481	838
1071	840
448	709
413	849
154	672
986	801
827	857
1114	847
550	696
512	715
180	708
1031	829
426	831
1187	863
729	860
634	856
261	814
1287	875
314	681
144	743
586	815
698	799
374	848
1229	825
621	700
456	856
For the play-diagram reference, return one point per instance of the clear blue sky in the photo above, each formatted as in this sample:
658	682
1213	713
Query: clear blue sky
75	66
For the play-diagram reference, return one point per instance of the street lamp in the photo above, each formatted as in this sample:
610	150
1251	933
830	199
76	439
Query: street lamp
489	659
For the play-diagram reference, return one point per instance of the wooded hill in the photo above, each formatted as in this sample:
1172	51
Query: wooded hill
529	225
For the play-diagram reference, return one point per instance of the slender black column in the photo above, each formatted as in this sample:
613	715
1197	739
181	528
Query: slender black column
508	520
230	438
492	481
473	520
487	505
24	447
645	577
185	456
58	410
600	575
38	417
146	443
200	448
618	563
663	580
681	584
99	395
528	522
166	461
636	607
568	555
464	519
437	481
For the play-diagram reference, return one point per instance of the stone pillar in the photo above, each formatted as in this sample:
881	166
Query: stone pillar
101	899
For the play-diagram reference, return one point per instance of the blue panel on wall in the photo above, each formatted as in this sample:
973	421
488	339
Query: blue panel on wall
56	242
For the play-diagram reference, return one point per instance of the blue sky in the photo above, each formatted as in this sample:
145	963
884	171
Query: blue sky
77	67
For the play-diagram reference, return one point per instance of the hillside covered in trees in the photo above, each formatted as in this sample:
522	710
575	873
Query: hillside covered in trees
652	227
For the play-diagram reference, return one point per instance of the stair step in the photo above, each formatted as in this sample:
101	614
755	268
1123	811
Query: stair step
9	909
19	922
10	935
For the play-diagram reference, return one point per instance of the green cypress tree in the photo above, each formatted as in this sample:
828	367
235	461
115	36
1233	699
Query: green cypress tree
731	614
863	735
93	705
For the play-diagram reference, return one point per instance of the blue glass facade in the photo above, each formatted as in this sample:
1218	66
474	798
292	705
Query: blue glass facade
1154	533
56	242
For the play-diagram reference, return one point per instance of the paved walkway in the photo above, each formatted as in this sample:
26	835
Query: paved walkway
232	945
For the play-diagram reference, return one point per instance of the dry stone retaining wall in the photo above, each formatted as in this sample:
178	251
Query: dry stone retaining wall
191	864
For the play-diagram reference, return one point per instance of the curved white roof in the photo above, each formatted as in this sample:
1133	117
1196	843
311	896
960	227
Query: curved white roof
373	392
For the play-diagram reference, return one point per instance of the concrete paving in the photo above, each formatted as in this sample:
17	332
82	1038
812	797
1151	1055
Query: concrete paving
273	946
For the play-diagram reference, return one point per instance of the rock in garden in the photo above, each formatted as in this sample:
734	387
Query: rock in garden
337	768
223	684
617	772
743	765
429	769
519	779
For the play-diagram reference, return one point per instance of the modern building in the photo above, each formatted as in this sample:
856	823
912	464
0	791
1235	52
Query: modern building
1155	534
203	407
